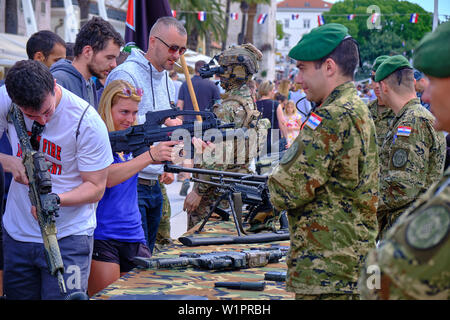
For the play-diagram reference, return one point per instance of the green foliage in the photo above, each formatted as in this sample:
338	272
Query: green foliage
396	35
280	32
215	18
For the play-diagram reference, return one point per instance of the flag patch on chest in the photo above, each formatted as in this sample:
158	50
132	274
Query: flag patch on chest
313	121
404	131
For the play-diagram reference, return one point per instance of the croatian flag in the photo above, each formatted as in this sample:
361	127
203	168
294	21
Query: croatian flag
202	15
313	121
234	15
404	131
320	20
295	16
350	17
174	13
374	18
414	18
262	18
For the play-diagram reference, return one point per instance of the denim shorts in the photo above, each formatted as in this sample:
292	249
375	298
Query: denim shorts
26	275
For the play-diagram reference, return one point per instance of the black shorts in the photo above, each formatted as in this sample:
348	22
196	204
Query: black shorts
121	253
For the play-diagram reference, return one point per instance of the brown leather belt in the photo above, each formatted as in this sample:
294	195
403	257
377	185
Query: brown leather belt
146	182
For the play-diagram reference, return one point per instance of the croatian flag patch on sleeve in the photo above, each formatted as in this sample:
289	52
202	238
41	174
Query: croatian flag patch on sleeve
313	121
404	131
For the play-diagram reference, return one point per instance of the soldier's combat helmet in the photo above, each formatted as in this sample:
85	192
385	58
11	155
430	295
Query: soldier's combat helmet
239	63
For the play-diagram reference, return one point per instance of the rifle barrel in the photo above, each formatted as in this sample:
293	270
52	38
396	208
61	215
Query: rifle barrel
243	176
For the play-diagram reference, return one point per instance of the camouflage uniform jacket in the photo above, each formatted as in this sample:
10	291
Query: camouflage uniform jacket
411	160
328	182
413	261
239	108
382	117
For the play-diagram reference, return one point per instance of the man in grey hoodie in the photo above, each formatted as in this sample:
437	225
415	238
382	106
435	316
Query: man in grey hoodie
149	71
96	48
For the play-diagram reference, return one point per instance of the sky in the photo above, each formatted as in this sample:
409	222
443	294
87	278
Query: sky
428	5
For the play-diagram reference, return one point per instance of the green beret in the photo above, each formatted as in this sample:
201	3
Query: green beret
378	61
390	65
320	42
432	55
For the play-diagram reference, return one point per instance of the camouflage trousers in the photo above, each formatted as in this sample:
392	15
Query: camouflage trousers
327	296
163	235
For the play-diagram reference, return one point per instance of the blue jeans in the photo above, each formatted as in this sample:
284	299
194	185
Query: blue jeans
150	202
26	275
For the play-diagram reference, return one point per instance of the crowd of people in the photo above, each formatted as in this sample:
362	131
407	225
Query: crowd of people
358	163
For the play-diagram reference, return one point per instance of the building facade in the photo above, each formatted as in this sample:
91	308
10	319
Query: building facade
298	18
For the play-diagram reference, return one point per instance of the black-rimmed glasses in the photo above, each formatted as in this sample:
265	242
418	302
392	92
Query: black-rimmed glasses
173	48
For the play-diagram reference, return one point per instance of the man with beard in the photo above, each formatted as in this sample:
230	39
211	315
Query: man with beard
149	71
382	116
96	48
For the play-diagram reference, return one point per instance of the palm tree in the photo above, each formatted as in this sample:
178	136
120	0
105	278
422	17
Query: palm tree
251	12
212	28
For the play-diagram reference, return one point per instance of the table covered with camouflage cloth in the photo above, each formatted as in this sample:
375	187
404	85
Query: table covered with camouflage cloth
198	282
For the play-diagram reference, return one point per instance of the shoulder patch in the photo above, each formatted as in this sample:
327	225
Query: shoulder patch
404	131
428	228
313	121
399	158
290	153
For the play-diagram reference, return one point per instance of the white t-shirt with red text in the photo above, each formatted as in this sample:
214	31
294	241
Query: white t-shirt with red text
68	155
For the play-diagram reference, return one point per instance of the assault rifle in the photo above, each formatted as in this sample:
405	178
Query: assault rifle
40	188
237	188
227	260
137	139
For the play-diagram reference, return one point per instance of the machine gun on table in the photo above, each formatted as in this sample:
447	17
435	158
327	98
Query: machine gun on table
137	139
239	189
226	260
40	188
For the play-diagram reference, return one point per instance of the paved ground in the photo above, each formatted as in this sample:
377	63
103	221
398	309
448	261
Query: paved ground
178	221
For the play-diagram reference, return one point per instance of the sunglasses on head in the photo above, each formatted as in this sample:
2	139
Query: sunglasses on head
127	92
173	49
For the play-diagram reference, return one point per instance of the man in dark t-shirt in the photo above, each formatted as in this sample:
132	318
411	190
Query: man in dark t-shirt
206	92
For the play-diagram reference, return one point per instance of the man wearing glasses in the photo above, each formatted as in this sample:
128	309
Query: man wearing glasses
149	71
78	166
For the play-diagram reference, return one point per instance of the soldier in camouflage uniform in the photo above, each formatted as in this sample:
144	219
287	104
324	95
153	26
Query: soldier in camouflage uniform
382	116
413	261
238	107
413	153
328	179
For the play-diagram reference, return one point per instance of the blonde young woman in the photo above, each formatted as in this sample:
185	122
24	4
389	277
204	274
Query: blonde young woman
119	235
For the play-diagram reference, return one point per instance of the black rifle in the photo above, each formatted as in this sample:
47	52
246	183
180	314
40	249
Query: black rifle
192	241
137	139
40	188
238	189
226	260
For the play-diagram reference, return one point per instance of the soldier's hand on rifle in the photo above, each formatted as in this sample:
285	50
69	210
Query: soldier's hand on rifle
15	166
162	151
201	145
192	201
173	122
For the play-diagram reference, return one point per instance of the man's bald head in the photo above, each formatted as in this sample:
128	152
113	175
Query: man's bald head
164	23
